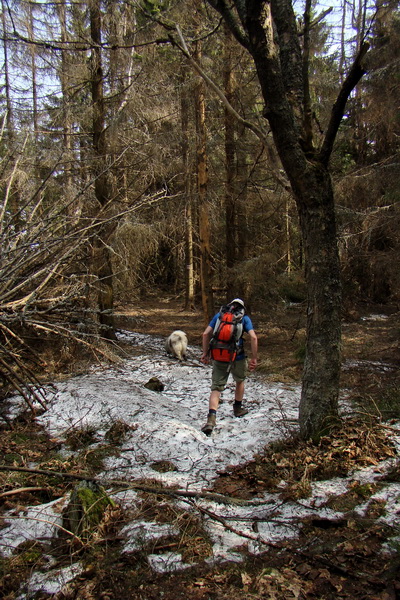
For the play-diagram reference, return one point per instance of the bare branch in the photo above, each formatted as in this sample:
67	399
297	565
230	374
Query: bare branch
354	76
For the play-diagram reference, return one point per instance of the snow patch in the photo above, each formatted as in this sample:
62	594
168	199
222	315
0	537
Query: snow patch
166	427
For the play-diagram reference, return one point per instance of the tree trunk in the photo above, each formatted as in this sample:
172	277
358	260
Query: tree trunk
288	237
69	192
202	180
320	389
102	261
312	188
9	110
189	258
230	125
268	30
242	176
32	50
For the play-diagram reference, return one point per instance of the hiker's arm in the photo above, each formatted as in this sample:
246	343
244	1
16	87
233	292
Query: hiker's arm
205	357
254	349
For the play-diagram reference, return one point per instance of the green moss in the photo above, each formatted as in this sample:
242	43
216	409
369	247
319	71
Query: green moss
32	556
365	490
94	504
93	458
86	508
12	458
20	438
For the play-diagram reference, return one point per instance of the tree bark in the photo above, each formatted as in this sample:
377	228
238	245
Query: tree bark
320	384
202	180
230	125
311	185
186	185
64	75
268	31
102	258
32	50
9	109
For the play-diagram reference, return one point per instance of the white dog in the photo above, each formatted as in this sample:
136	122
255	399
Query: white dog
176	344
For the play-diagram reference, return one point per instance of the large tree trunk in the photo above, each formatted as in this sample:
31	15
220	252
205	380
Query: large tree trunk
311	185
268	30
202	180
319	396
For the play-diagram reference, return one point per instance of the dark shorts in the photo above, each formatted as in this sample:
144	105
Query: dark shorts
221	372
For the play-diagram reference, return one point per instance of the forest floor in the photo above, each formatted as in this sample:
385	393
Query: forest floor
331	560
339	561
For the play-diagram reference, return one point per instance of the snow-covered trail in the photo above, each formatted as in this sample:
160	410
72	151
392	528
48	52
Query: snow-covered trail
166	425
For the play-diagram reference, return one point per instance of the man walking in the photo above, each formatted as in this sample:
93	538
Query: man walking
222	369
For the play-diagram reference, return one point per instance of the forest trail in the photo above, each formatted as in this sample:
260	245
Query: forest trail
323	544
370	335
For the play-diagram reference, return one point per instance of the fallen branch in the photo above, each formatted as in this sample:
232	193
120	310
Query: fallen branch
126	485
22	491
44	472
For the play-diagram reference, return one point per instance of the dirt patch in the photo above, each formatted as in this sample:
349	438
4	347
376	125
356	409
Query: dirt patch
281	333
370	337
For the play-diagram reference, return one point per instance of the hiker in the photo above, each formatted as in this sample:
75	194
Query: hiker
222	365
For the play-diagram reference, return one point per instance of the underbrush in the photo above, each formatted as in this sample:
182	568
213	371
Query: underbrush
382	402
352	444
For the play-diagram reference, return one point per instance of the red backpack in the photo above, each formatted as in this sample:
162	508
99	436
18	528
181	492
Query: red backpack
227	333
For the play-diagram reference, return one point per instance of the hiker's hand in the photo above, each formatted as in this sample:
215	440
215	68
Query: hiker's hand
205	358
252	364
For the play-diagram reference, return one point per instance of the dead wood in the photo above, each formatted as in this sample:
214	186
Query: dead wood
23	491
127	485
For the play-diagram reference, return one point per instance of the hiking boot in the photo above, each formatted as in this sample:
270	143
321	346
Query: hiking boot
238	411
209	426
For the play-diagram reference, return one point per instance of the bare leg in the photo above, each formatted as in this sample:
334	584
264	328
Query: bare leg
238	411
239	391
214	400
